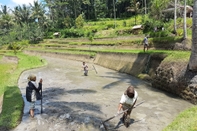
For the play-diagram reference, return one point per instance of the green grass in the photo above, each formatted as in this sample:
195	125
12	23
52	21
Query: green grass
178	56
185	121
12	101
4	75
175	56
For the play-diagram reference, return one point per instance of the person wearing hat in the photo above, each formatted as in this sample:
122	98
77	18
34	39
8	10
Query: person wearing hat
127	101
31	90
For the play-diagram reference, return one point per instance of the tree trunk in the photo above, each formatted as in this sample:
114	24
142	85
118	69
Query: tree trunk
193	56
184	22
145	7
175	15
114	14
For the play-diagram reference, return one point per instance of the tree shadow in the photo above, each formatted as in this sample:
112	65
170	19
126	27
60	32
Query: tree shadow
123	78
78	91
54	92
86	113
120	123
144	64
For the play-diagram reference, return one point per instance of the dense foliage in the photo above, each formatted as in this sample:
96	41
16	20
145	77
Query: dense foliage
40	20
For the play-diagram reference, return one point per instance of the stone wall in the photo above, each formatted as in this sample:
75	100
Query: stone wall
174	77
132	64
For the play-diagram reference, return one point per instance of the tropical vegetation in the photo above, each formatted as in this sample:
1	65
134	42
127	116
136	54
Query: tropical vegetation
26	25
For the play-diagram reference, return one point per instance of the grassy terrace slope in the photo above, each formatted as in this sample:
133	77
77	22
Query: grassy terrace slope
12	107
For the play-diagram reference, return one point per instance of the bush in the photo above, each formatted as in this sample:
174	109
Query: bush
79	22
73	33
109	26
179	32
160	34
124	23
18	45
164	33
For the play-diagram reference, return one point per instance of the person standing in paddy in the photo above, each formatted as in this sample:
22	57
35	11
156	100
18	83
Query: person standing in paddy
85	68
127	101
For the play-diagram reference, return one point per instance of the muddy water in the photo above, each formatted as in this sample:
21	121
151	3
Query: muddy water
73	102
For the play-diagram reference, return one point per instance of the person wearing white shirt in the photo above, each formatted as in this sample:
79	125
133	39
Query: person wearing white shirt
145	43
85	68
127	101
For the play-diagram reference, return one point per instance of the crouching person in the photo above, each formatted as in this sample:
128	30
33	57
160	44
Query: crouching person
127	101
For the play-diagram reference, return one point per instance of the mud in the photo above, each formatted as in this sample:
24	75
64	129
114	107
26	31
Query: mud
74	102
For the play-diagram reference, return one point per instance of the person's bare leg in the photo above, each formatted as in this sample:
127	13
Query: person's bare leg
31	112
127	118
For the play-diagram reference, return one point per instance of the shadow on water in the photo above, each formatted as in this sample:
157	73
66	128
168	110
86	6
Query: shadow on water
78	91
120	124
123	78
126	78
142	64
55	92
87	113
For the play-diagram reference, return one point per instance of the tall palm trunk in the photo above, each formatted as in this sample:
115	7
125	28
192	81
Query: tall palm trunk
145	6
114	6
193	56
75	12
175	15
184	22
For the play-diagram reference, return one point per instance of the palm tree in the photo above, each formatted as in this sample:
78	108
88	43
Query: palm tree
22	14
193	56
5	17
157	7
16	13
6	21
4	10
37	11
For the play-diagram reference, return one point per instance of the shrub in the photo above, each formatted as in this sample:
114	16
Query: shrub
18	45
110	26
79	22
73	33
179	32
164	33
124	23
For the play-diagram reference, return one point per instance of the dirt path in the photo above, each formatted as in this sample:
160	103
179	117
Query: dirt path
73	102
